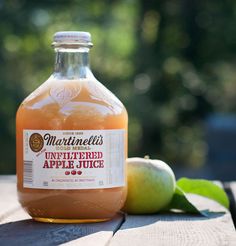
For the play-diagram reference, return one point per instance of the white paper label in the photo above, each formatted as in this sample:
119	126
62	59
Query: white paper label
74	159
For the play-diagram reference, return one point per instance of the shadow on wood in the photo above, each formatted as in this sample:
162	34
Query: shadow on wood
148	220
29	232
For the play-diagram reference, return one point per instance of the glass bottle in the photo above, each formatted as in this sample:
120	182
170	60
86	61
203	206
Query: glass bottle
71	137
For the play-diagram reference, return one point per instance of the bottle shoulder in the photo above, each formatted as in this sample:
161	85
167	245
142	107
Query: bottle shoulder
68	96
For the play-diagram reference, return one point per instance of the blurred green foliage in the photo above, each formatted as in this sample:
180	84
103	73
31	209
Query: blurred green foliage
171	63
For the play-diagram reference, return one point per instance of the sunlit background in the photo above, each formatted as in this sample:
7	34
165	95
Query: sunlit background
171	62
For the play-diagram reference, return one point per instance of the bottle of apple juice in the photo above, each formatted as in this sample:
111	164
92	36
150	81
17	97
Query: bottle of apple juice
71	136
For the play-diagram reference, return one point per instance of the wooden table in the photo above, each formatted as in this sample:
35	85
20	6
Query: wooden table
17	228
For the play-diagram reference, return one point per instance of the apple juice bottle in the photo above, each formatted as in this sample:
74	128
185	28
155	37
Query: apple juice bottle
71	137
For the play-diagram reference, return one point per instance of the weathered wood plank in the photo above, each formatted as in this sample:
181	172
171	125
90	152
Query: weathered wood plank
178	229
8	197
7	178
230	188
17	228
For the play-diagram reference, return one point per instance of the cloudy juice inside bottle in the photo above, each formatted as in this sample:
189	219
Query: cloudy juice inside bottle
71	135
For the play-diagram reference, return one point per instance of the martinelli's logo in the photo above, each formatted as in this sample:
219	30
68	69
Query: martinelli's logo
36	142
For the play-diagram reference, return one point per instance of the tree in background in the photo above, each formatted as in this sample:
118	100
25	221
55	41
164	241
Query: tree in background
187	51
171	63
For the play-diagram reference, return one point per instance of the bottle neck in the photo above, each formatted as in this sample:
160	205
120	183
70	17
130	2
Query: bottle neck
72	63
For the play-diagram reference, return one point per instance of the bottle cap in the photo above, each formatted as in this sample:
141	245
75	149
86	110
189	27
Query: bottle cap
72	38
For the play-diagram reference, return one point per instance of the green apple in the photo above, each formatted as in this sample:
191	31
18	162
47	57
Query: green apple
151	185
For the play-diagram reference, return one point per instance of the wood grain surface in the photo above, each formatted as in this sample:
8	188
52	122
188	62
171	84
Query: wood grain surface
8	197
233	188
17	228
230	188
179	229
